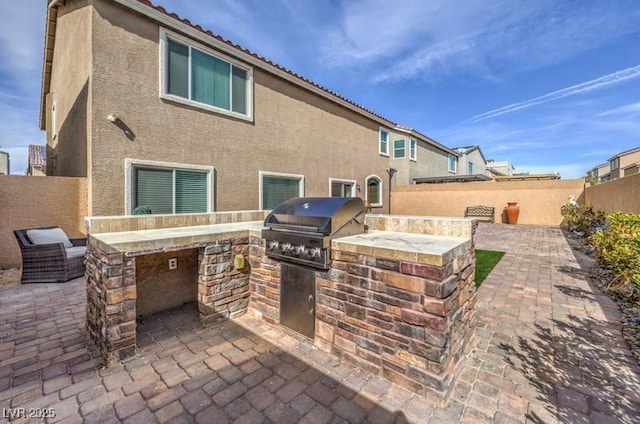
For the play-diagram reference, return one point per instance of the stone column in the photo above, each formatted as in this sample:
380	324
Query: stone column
111	304
223	291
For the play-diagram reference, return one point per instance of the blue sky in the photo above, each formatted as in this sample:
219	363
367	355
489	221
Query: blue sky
550	85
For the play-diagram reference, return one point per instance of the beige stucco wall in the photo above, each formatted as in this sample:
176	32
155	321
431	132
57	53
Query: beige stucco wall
311	135
539	201
27	202
70	91
621	195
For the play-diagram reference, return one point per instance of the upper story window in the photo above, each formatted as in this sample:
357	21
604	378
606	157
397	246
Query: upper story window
198	76
453	164
384	142
413	149
615	163
399	149
374	190
470	168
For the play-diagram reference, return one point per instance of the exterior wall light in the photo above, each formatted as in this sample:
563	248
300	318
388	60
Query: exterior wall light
113	118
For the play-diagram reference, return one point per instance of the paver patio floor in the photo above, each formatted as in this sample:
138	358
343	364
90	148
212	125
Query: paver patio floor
549	349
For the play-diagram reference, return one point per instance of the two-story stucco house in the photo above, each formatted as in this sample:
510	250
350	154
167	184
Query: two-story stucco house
624	163
599	173
156	111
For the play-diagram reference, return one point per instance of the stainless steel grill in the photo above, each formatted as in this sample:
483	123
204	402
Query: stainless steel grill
300	230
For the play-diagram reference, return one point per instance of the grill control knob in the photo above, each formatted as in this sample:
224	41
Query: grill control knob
314	252
286	247
300	250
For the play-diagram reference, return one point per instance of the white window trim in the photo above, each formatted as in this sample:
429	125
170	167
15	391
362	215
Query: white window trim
131	164
165	34
455	164
366	191
380	141
404	140
54	121
340	180
413	157
261	174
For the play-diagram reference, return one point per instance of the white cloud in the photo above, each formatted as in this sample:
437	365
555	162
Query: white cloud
405	39
595	84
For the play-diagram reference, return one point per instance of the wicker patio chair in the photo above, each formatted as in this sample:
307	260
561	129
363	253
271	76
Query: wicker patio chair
50	263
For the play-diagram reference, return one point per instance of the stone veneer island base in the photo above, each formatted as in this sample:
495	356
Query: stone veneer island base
399	301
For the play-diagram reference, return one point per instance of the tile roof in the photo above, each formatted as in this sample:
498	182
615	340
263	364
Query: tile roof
37	155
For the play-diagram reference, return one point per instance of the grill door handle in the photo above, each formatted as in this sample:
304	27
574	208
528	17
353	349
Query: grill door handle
310	304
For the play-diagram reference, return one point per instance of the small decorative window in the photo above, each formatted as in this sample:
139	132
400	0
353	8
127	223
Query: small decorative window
399	149
384	142
374	190
453	164
342	188
470	168
413	149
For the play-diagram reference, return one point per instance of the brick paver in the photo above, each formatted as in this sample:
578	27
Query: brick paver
548	349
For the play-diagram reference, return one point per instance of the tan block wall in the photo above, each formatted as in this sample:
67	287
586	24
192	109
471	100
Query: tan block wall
293	130
27	202
539	201
622	195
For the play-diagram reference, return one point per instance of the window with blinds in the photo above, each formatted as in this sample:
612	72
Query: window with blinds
278	189
167	191
200	77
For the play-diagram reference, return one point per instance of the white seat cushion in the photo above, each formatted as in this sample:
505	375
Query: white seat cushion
49	236
75	252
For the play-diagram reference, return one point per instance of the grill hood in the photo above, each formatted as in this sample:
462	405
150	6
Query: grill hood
323	215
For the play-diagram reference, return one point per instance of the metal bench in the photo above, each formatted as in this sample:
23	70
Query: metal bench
480	211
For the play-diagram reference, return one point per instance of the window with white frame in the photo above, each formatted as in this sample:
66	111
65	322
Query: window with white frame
399	149
453	163
276	188
413	149
374	190
198	76
615	164
342	188
384	142
470	168
167	188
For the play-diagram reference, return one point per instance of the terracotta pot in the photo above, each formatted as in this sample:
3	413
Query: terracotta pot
513	210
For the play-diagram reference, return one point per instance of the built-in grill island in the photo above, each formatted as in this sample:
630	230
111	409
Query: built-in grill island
299	231
398	300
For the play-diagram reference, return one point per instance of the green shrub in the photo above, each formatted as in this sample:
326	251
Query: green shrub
142	210
583	219
618	247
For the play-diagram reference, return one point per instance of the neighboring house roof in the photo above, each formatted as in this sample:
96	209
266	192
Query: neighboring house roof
469	149
426	139
555	176
452	179
37	155
626	152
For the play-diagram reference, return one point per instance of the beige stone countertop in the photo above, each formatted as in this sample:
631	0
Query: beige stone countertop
417	248
166	239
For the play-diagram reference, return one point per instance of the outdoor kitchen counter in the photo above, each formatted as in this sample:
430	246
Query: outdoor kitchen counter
164	239
416	248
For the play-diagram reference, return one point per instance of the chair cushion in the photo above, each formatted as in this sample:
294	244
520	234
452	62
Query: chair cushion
75	252
49	236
